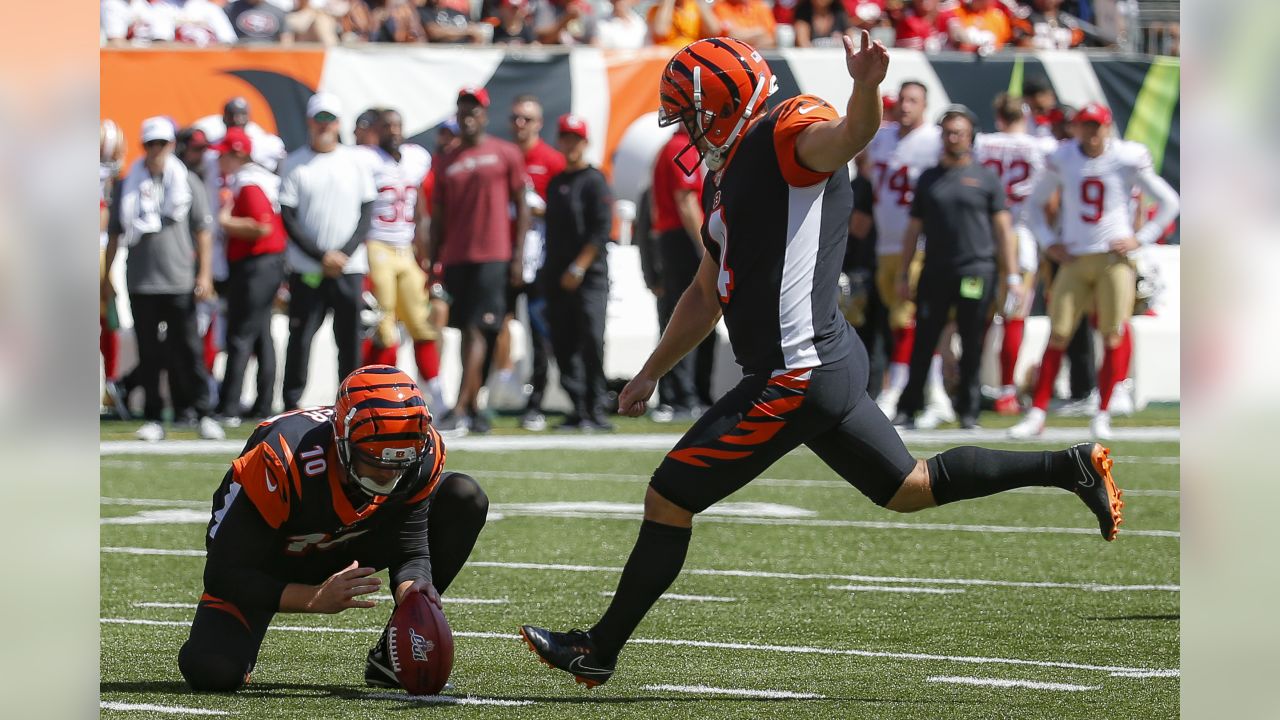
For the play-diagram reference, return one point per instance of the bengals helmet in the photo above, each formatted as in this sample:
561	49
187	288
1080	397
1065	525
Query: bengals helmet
380	419
715	88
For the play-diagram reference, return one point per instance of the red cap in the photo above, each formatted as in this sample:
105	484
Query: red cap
514	3
1093	112
888	102
478	93
236	140
574	125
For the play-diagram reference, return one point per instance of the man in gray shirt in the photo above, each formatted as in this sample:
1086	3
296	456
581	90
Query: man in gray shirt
959	206
162	214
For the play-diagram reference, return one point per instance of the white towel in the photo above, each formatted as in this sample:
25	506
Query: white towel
255	174
143	205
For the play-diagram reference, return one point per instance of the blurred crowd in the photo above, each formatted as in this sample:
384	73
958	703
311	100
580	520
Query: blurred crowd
982	26
220	230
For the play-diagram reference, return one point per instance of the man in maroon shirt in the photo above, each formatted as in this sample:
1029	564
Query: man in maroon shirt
475	241
250	217
677	221
542	162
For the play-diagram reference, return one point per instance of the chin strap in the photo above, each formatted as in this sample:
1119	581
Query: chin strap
717	155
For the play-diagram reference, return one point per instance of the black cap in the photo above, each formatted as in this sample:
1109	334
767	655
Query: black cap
958	109
235	105
367	118
1034	85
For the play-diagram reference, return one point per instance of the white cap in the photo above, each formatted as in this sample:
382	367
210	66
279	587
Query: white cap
157	128
323	102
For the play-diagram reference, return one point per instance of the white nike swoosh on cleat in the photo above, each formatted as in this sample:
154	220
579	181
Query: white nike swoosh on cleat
1088	480
577	667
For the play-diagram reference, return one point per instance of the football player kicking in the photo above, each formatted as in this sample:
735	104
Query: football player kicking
318	502
777	205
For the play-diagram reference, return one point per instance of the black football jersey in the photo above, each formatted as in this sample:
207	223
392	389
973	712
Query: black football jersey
290	472
778	232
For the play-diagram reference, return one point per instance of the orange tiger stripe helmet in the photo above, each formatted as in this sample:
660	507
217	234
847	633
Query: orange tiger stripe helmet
380	419
715	88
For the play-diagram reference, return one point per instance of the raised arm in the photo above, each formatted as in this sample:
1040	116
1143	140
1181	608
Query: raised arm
827	146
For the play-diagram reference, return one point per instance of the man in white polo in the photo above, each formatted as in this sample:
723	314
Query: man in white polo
326	201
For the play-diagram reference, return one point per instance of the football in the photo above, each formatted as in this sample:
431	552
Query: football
420	646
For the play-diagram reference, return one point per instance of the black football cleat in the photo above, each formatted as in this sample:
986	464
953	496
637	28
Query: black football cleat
377	671
1097	488
573	652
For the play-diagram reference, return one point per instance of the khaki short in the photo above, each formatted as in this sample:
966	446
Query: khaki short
400	287
1102	281
902	313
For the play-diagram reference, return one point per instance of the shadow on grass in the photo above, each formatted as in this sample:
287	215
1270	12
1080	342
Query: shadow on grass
252	690
407	703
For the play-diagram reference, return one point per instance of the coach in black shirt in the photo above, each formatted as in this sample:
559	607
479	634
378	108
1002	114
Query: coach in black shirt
959	205
575	276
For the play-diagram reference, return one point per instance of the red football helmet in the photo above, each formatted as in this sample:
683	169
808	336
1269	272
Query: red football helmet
715	88
380	419
111	147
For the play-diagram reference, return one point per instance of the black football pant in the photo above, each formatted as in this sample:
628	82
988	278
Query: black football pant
539	340
936	295
181	352
251	290
577	336
307	309
224	642
768	414
1084	378
689	382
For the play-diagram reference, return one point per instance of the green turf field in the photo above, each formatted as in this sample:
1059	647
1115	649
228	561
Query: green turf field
908	643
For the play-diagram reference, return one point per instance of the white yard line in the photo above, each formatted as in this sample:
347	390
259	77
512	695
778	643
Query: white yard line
646	442
735	692
791	649
686	598
896	589
631	511
154	502
1091	587
1002	683
1140	674
515	510
167	709
152	551
446	699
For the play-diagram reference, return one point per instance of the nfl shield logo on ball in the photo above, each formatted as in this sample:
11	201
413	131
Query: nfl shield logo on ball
421	646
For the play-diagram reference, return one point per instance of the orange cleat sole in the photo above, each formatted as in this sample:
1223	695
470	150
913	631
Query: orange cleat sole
1102	462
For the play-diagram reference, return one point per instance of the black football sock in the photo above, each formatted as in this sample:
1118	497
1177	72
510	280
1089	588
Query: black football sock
654	564
972	472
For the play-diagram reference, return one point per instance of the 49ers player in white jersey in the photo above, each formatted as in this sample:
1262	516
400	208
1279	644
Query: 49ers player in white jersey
396	243
1097	176
1017	157
898	153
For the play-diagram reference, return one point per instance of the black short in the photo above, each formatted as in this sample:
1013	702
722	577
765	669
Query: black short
767	415
479	293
